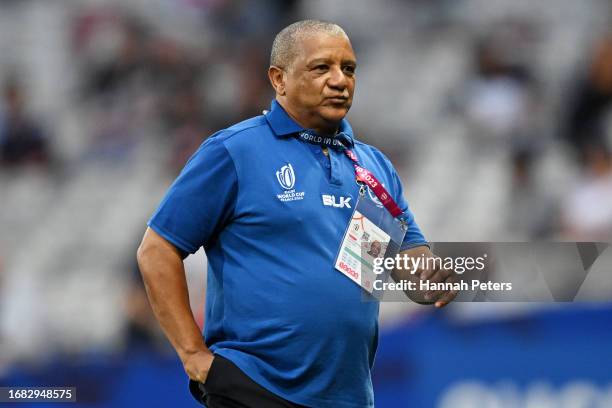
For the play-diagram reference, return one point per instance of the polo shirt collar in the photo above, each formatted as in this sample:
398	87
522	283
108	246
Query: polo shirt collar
284	126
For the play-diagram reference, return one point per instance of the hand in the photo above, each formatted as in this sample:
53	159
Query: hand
197	365
440	297
431	271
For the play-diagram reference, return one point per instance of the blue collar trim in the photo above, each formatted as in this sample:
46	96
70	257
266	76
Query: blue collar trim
284	126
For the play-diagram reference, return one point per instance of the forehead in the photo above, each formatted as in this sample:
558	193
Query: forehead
323	45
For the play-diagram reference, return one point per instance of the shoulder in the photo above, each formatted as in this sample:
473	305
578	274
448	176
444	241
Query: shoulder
224	142
374	154
241	132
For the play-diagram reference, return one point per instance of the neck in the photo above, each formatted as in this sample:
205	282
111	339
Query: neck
323	129
327	130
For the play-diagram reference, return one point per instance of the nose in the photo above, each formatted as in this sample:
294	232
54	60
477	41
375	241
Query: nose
337	79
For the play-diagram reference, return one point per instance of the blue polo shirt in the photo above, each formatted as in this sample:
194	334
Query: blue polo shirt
252	197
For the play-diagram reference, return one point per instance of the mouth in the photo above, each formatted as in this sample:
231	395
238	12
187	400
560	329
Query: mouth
337	100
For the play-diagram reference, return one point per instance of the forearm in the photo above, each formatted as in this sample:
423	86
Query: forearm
164	277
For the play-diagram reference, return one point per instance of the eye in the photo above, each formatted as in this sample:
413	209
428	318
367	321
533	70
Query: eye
349	69
320	68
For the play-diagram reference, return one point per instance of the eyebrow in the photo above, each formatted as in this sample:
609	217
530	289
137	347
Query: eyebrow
327	61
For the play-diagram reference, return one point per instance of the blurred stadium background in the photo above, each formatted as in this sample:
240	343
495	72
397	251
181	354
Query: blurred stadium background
497	114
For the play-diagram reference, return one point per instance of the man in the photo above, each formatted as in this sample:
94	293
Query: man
283	327
375	249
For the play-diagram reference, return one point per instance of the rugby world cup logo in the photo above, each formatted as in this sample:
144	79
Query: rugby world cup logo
286	177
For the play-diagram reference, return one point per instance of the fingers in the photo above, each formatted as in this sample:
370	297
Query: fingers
441	297
446	298
198	366
431	275
438	276
428	273
199	378
197	374
433	272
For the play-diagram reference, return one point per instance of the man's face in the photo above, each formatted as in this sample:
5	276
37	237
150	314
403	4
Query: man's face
321	81
375	249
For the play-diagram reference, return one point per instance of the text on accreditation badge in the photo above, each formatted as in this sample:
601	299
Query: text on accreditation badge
371	233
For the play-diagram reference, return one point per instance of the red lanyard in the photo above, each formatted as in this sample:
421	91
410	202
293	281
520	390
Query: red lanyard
362	175
365	176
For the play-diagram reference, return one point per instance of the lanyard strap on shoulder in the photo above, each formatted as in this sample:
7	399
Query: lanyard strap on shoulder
365	176
362	174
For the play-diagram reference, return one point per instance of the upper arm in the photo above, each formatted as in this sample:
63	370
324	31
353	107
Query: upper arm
414	237
201	201
152	241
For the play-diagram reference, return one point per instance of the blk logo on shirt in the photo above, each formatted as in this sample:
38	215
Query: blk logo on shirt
341	202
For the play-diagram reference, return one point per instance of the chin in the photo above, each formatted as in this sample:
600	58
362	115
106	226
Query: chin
334	114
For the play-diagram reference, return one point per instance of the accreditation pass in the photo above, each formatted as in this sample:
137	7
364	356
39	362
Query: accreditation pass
363	242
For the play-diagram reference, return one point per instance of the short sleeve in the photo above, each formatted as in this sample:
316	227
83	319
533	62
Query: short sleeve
200	201
414	237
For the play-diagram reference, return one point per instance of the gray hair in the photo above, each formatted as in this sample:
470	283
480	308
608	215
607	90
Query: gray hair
284	47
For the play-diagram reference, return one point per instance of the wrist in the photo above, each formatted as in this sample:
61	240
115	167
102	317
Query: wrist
186	352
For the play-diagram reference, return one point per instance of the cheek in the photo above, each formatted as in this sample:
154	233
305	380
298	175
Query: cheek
351	86
311	90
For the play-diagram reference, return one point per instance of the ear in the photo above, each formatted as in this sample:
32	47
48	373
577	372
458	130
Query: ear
277	79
